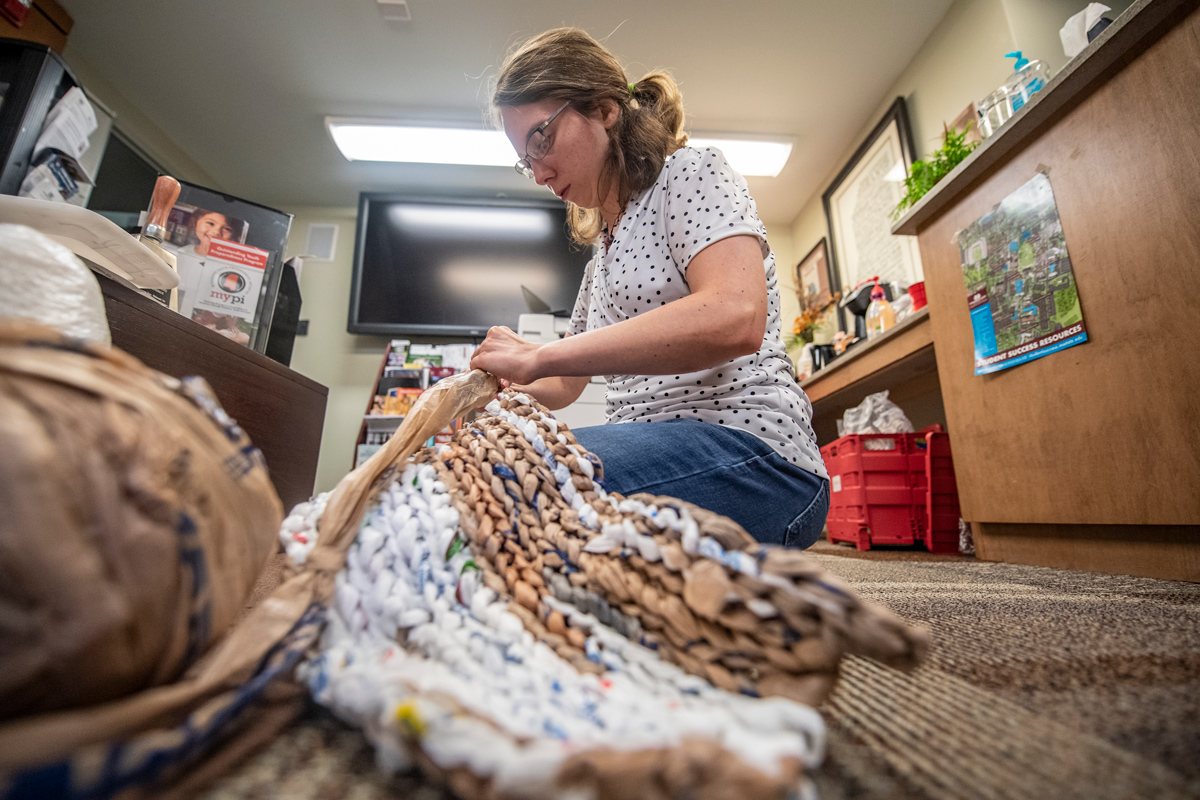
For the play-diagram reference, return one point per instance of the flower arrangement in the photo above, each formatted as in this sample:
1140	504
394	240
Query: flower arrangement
812	309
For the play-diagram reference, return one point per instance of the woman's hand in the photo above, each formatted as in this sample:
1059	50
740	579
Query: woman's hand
507	356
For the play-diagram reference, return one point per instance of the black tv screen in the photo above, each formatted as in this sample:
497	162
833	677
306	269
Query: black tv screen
453	267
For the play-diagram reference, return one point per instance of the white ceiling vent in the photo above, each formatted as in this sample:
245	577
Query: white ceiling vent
394	10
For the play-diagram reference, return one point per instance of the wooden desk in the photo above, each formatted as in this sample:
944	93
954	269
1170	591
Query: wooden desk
281	410
1088	458
901	361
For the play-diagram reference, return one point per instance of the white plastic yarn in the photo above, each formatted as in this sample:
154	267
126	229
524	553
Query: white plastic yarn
414	639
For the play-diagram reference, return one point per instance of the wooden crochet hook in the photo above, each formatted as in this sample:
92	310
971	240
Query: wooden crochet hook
166	192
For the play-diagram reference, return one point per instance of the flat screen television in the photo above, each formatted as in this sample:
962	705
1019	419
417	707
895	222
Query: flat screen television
455	267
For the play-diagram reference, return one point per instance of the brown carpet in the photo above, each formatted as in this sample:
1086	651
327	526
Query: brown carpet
1040	683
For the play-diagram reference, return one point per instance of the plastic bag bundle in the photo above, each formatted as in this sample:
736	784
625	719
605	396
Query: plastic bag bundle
517	631
137	517
133	523
46	282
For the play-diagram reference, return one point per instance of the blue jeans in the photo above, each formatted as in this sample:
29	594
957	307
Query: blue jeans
722	469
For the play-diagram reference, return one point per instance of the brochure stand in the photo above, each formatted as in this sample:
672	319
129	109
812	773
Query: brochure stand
230	257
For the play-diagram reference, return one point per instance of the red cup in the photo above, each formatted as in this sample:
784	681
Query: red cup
917	290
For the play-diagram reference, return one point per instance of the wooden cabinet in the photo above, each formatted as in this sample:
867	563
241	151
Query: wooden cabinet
47	23
281	410
1090	457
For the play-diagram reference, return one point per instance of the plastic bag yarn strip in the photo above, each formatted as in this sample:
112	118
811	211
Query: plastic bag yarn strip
129	764
408	579
676	578
436	669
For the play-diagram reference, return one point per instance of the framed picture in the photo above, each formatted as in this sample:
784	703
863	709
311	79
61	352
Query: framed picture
858	206
968	120
812	278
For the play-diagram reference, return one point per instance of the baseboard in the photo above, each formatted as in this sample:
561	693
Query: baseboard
1169	552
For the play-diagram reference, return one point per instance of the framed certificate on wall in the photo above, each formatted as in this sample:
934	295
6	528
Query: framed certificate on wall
858	206
812	278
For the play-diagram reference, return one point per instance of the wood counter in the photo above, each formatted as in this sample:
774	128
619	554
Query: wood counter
281	410
900	361
1090	457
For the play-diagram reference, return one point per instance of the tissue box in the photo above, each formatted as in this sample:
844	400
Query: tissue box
1080	29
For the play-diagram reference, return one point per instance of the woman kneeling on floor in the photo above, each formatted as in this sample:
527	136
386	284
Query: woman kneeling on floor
679	307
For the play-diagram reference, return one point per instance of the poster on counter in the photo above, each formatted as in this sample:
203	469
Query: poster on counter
206	227
1020	288
225	292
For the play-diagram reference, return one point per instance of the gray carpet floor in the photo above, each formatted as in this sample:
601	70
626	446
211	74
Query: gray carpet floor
1040	683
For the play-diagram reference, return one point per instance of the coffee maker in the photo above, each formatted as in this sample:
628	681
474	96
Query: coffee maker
859	299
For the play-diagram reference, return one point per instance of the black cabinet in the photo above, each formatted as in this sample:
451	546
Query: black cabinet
32	79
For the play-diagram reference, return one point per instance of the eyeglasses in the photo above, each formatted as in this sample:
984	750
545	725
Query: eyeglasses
537	145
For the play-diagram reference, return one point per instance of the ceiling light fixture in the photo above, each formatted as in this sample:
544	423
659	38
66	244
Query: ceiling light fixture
761	157
383	140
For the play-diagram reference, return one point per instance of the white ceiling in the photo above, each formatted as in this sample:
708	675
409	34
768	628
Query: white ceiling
243	86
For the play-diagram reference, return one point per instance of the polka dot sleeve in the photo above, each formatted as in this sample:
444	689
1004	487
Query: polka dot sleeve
707	201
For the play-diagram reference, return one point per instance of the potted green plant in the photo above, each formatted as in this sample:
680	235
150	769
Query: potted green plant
923	175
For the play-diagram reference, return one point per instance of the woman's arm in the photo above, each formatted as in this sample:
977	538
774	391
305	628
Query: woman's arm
724	317
555	392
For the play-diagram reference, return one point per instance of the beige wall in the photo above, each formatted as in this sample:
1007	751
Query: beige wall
961	61
135	125
780	239
345	363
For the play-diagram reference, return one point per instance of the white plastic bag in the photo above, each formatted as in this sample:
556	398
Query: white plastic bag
875	414
45	282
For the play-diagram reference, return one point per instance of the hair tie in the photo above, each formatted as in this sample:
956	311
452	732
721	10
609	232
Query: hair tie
632	89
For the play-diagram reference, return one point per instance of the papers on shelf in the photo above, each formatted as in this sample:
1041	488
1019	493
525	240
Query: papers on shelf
55	172
68	125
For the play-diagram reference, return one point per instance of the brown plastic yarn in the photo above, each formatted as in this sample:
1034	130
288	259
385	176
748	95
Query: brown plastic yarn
136	520
778	633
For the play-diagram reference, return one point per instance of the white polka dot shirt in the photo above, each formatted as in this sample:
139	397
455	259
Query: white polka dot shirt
698	199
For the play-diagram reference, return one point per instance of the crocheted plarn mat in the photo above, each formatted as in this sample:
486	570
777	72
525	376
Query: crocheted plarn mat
517	631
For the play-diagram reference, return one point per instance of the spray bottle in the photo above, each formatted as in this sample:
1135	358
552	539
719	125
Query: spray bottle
880	314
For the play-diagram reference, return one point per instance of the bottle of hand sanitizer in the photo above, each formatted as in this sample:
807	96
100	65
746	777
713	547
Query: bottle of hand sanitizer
1028	77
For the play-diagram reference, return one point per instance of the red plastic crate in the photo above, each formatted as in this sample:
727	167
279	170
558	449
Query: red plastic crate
871	490
901	495
941	494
